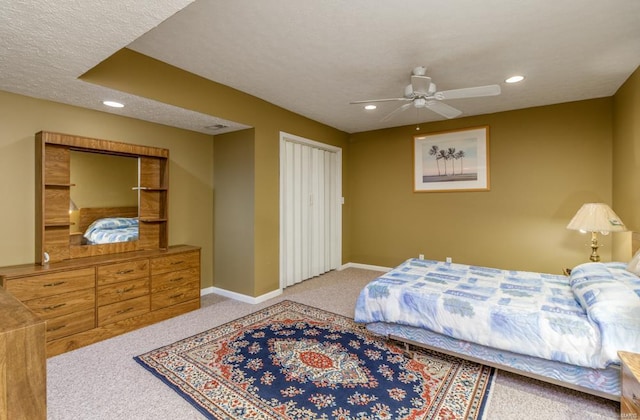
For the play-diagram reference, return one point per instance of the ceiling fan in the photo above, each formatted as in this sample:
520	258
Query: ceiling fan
422	93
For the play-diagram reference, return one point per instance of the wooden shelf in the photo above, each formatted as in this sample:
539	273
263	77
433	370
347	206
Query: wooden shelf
150	188
56	185
151	220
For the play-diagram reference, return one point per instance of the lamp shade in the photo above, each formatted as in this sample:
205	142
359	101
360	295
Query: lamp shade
596	217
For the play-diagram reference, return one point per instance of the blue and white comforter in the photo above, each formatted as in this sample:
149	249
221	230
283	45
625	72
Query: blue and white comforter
112	229
581	320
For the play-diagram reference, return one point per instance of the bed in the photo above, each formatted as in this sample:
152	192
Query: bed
106	225
561	329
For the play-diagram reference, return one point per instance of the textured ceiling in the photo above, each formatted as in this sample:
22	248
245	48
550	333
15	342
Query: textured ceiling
314	57
46	45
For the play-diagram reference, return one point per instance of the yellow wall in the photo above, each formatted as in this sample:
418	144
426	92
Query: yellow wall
626	156
234	227
190	172
544	164
140	75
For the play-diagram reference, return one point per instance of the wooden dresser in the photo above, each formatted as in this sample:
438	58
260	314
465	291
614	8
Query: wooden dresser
86	300
23	370
630	378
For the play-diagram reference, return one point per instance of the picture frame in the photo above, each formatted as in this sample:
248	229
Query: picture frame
456	160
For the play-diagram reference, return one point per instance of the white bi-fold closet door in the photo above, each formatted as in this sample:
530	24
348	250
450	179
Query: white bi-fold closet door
310	208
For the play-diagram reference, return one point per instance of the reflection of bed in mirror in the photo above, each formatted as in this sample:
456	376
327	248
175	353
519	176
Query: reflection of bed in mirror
105	225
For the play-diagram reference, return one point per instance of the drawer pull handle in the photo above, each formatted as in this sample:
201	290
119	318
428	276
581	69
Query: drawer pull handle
124	311
52	329
177	279
177	262
125	290
125	271
54	284
52	307
176	296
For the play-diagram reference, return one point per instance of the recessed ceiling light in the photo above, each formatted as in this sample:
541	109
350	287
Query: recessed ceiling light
515	79
113	104
370	107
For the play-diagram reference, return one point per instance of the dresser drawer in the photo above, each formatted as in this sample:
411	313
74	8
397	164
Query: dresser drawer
173	279
65	325
27	288
176	295
117	292
175	262
114	273
63	304
122	310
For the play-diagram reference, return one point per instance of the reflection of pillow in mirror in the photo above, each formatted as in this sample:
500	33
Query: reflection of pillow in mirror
113	223
634	264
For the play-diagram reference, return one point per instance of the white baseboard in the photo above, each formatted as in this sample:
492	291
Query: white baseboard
364	267
239	296
253	300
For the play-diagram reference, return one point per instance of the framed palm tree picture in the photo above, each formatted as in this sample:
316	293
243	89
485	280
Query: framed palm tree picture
455	160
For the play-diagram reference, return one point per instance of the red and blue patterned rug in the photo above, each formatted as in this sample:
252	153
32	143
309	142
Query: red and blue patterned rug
293	361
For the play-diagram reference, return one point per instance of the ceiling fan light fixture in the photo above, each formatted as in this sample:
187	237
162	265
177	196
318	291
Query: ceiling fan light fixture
419	71
370	107
422	93
515	79
408	91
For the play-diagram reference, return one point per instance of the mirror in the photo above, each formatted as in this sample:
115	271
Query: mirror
57	238
104	204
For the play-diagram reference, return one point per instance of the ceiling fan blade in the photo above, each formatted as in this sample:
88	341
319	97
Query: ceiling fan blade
420	84
396	111
380	100
473	92
443	109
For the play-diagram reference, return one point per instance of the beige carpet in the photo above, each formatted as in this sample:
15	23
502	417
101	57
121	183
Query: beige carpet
102	381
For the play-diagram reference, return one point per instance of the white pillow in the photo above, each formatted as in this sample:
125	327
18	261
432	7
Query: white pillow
634	264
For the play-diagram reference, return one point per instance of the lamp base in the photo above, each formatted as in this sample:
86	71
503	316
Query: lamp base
594	247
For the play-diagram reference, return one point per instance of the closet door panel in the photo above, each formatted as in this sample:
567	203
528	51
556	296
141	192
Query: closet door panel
309	205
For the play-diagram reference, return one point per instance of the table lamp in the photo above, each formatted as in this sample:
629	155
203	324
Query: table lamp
594	218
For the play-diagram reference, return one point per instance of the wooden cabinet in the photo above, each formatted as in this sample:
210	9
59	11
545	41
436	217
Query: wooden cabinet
630	372
123	291
173	279
23	382
76	294
89	299
65	300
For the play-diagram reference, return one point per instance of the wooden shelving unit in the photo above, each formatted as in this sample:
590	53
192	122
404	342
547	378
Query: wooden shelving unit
153	211
53	169
53	196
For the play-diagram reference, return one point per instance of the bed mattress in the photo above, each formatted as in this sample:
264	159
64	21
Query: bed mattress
570	320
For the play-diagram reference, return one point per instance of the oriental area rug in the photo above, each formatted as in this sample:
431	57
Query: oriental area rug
293	361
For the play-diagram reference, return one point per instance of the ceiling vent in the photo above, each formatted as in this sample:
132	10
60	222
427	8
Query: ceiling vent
215	127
